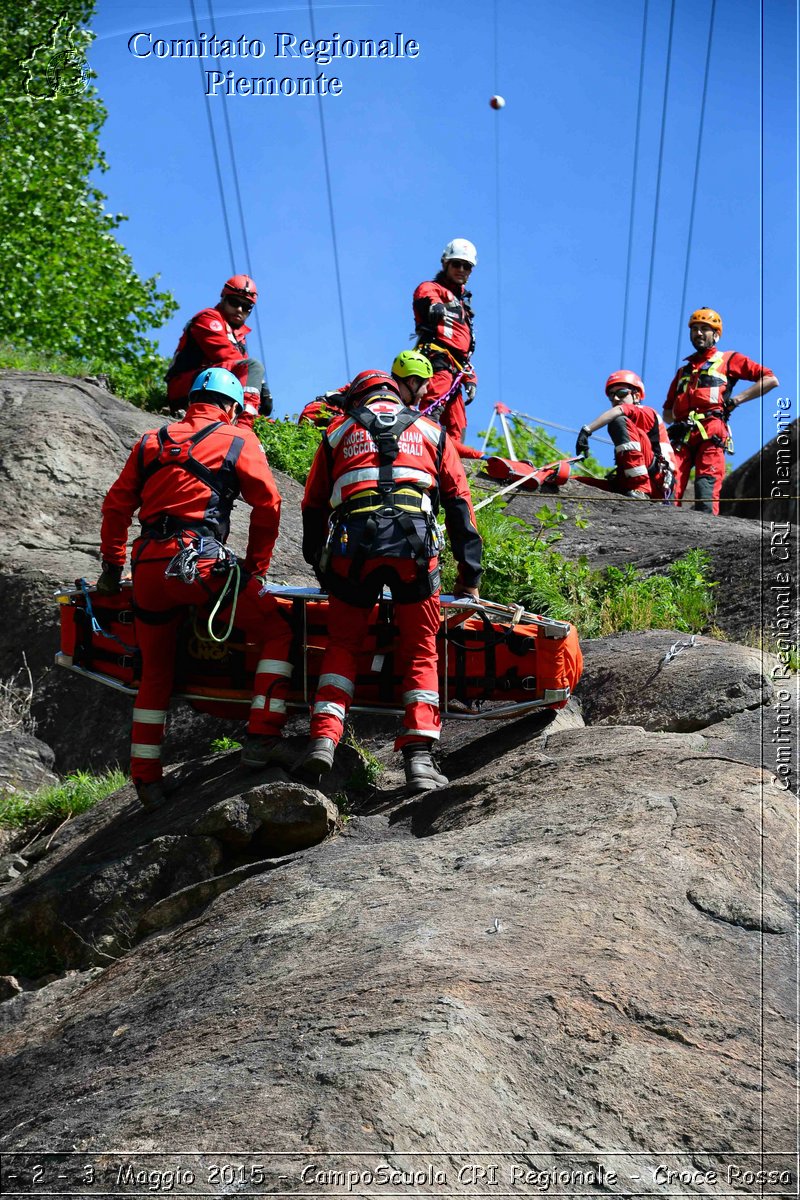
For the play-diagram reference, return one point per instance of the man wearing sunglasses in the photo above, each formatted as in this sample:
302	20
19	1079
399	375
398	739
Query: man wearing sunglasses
645	459
215	337
443	317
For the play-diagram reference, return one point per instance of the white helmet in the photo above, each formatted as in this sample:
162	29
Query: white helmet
460	248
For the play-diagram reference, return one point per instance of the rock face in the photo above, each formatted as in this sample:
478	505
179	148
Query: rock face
25	762
580	953
765	487
555	948
670	681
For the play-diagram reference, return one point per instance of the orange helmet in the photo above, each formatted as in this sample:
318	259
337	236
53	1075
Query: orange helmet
706	316
630	379
242	286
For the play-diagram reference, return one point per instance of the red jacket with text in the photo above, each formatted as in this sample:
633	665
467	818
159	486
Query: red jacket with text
192	471
207	341
347	464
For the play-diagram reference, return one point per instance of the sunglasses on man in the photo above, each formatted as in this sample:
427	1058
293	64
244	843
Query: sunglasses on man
460	264
620	392
235	302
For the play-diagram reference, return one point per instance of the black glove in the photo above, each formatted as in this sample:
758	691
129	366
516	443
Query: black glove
677	432
109	582
470	389
265	407
582	443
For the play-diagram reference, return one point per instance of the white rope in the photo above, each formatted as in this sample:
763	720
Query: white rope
677	648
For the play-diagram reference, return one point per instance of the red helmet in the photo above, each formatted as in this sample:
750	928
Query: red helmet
627	377
367	382
242	286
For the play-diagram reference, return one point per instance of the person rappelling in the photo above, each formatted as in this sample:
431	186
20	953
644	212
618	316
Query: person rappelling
443	317
369	521
645	462
699	404
216	337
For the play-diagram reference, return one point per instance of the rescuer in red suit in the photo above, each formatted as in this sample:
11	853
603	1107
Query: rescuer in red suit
699	404
323	409
645	460
443	317
184	479
369	514
216	337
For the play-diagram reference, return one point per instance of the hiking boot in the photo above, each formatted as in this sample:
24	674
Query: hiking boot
421	774
260	750
637	495
317	758
151	795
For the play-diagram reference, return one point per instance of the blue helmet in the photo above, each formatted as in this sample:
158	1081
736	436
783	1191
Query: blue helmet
223	385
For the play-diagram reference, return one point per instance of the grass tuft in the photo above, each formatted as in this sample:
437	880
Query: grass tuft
50	806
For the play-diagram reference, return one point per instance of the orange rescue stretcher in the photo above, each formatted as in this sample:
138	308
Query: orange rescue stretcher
495	660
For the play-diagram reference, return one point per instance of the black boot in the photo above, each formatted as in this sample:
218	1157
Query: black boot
421	774
317	758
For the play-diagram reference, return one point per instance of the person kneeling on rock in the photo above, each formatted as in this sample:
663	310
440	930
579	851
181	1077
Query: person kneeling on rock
369	520
645	459
183	479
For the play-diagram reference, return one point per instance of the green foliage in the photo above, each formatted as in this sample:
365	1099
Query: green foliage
143	386
532	444
69	287
368	769
52	805
521	567
290	447
221	745
681	599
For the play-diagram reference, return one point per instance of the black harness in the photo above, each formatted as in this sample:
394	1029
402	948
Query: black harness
223	484
375	516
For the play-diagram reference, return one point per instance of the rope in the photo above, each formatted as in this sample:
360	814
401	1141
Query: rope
658	188
248	258
524	417
678	648
498	258
234	574
330	207
633	186
214	146
685	500
695	181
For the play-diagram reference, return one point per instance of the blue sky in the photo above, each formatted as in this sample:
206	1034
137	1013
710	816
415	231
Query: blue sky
417	157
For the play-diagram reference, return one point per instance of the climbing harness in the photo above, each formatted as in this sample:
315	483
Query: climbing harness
363	525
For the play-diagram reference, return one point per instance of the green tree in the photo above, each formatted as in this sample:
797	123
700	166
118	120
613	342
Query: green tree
69	287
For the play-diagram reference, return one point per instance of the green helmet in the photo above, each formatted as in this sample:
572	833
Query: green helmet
411	362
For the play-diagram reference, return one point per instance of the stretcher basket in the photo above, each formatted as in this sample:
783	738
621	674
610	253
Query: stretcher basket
495	661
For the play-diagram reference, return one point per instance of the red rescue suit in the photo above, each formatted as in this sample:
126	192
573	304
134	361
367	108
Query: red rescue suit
184	479
323	409
374	491
207	341
443	320
697	398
